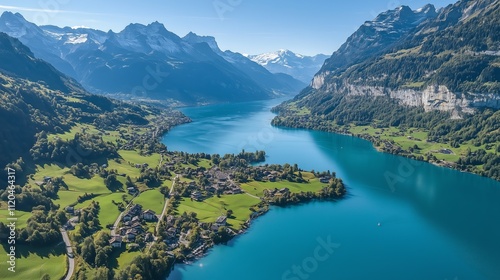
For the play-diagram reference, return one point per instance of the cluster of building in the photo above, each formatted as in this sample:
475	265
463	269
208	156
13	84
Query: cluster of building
218	183
277	192
132	227
175	236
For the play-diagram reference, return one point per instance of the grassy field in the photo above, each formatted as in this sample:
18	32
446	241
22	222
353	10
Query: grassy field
76	186
94	185
167	183
52	261
257	188
151	226
109	211
135	158
22	216
50	170
107	136
68	135
209	210
152	199
412	137
299	111
33	265
125	258
124	167
205	163
79	186
66	198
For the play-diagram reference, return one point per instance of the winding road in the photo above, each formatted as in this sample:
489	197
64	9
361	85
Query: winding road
166	204
115	225
69	250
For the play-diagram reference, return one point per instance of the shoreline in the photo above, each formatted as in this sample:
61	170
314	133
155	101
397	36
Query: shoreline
367	137
245	228
206	250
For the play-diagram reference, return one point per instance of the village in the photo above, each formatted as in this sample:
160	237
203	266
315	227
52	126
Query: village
186	237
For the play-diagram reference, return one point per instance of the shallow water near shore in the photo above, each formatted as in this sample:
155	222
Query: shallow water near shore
402	219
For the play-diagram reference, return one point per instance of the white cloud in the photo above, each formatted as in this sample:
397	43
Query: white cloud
51	11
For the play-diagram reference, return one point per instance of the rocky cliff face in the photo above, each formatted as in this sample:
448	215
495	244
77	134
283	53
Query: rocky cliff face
444	60
378	35
434	97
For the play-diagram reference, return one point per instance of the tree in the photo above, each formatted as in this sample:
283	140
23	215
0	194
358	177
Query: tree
88	250
110	181
101	239
103	273
61	217
101	259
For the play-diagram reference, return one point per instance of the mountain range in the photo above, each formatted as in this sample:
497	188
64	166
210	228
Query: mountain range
148	61
299	66
435	72
36	99
446	60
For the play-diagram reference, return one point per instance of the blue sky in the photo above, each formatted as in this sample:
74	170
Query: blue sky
246	26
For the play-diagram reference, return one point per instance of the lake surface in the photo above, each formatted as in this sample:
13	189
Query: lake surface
435	223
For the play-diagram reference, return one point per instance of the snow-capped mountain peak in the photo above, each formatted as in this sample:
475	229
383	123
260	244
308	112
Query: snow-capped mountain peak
116	62
285	61
153	37
16	25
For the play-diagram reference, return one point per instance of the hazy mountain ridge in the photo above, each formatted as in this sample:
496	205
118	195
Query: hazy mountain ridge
265	78
17	60
36	98
109	62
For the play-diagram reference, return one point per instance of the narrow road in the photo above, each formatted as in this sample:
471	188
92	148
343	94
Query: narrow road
254	196
69	250
115	225
166	204
161	160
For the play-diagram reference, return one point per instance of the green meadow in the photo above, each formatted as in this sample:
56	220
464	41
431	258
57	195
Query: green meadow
107	136
33	265
210	209
257	188
151	199
411	137
108	211
22	216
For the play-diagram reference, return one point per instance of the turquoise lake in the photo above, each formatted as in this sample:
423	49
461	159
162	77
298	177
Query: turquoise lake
435	223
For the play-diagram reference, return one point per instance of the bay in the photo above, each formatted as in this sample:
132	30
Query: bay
402	219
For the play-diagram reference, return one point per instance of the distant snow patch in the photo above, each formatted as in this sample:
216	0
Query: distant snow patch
78	39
